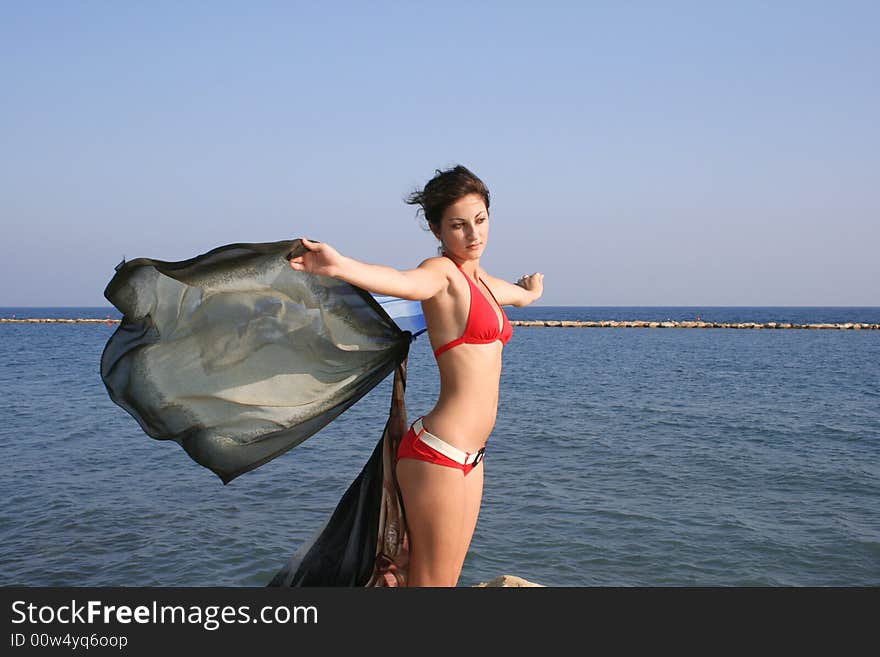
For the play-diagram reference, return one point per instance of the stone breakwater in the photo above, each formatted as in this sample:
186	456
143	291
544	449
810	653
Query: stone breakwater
552	323
691	324
608	323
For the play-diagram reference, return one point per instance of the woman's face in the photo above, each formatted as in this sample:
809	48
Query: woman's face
464	228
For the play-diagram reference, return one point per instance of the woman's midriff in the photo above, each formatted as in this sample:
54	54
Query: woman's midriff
464	415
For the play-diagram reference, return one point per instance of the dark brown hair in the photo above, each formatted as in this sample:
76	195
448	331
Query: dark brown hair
444	189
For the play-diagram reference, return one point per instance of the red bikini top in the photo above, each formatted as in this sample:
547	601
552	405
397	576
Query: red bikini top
482	324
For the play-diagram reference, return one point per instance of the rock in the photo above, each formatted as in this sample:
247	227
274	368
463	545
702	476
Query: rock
507	581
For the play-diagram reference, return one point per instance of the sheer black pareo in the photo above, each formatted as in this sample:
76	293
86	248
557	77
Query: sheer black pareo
239	358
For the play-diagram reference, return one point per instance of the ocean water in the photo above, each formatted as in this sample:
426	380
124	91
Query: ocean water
624	457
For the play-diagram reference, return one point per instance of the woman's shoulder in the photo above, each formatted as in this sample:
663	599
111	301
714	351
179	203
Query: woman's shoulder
489	278
442	267
438	263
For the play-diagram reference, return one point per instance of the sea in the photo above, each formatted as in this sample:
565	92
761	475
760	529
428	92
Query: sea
626	457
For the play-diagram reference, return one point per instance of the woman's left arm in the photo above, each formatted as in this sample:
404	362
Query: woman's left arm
527	289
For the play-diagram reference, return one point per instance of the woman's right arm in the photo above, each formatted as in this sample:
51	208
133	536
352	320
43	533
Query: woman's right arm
418	284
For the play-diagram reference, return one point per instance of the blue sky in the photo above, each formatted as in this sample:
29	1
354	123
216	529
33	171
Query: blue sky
638	153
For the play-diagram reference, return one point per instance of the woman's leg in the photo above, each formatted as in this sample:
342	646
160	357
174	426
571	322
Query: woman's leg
440	517
473	498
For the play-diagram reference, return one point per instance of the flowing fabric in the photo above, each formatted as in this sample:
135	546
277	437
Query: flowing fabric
364	542
239	358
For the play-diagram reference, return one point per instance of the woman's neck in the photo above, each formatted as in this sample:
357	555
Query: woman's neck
469	267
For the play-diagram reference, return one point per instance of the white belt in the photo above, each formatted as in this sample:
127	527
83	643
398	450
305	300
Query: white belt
449	451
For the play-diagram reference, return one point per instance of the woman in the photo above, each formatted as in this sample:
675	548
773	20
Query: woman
439	468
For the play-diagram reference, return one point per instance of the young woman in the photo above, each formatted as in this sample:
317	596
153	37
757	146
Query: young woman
439	468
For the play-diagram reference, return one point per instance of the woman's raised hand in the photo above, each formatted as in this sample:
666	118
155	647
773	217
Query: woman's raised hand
532	282
320	259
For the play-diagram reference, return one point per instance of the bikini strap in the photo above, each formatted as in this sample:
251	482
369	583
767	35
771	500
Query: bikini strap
492	295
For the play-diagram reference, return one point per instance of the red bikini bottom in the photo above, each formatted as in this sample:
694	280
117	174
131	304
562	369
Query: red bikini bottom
414	446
